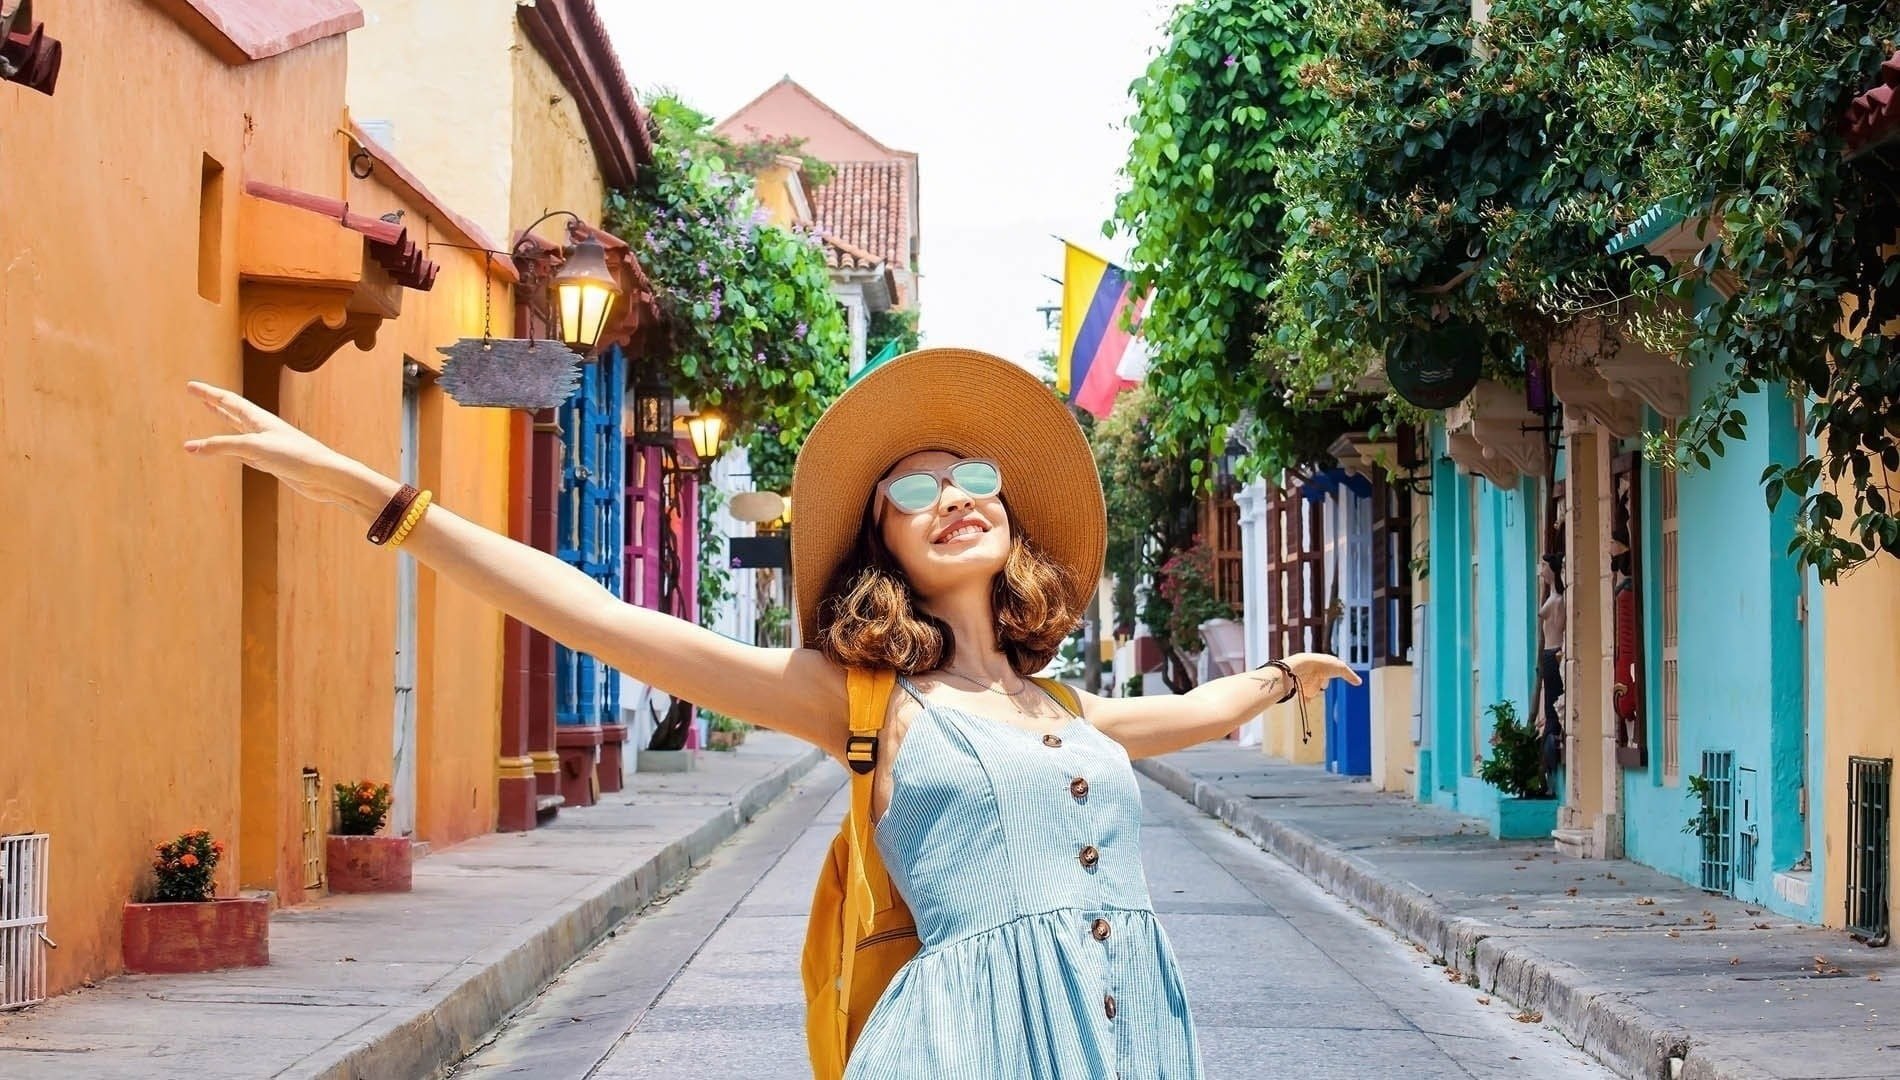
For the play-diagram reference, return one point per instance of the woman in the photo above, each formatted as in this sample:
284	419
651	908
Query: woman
950	527
1550	668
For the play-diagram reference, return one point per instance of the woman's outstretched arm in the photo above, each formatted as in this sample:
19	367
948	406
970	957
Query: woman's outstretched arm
1146	726
796	691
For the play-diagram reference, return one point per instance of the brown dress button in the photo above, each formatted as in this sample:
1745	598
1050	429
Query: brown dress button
1089	855
1079	788
1108	1005
1100	929
1052	740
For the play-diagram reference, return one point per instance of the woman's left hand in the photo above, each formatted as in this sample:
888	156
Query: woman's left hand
1315	670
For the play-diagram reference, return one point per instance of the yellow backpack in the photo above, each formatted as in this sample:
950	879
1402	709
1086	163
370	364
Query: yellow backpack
860	932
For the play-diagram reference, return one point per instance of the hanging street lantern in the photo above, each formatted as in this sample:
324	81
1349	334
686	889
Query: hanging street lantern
706	430
584	295
653	414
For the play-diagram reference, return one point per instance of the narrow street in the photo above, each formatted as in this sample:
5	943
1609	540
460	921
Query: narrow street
1285	980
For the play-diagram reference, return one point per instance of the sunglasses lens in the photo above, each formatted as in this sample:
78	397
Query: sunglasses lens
978	478
913	492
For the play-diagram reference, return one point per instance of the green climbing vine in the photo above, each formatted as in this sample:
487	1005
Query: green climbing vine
750	323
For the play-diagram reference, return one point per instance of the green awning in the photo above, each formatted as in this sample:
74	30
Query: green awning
889	351
1651	224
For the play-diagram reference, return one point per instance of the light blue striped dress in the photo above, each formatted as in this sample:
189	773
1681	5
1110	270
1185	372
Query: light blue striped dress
1019	854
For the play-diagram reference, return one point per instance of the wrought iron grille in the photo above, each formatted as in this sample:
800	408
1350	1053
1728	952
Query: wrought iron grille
23	941
1718	839
1869	848
314	831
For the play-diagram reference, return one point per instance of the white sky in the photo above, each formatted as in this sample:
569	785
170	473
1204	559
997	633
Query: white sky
1015	109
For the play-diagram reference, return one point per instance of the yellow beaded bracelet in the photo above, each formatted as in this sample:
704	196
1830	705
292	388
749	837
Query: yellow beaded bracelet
411	519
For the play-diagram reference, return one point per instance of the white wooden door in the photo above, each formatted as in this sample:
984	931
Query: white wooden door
402	814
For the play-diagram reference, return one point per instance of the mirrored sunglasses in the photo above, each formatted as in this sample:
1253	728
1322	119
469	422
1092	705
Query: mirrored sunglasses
918	489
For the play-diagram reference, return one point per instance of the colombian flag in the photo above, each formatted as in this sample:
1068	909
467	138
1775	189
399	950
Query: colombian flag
1096	318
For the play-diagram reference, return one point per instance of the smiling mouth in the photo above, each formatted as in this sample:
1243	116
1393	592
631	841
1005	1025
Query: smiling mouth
968	528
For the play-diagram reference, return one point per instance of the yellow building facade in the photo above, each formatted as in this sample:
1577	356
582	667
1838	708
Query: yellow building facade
206	649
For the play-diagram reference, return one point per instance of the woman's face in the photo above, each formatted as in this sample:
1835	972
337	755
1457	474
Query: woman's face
958	539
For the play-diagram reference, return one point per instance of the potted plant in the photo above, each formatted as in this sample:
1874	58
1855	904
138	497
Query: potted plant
358	859
183	927
725	733
1525	808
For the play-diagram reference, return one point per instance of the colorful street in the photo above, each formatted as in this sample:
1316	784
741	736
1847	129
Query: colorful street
1369	526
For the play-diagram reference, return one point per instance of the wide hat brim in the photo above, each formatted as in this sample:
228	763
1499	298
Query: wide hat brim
965	402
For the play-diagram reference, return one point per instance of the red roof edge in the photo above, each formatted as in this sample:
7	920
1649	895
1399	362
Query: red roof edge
389	242
1874	117
241	31
32	57
437	212
570	35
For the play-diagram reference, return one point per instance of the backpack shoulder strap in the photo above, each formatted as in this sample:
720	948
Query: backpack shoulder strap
1064	694
869	692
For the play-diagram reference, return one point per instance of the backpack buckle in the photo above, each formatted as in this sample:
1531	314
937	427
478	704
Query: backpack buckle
860	752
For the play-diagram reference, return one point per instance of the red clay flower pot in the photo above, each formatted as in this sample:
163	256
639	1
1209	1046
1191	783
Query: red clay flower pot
163	939
369	864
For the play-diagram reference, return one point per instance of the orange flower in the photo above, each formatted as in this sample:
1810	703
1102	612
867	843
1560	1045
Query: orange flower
363	808
188	859
217	847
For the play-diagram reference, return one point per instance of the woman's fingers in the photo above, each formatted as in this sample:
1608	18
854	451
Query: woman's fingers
216	445
239	411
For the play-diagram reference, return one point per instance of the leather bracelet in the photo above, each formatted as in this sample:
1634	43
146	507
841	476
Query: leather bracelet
385	524
1292	680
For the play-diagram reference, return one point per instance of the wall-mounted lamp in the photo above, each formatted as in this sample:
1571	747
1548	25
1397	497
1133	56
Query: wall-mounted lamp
706	430
583	291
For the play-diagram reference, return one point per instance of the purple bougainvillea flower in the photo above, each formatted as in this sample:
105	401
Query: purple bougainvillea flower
799	331
1231	60
703	268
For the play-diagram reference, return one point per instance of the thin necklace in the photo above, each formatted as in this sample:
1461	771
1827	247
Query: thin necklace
1006	693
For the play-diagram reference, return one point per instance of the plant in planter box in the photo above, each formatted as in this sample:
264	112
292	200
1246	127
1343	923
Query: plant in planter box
361	808
726	733
1525	806
183	868
1515	766
184	927
358	859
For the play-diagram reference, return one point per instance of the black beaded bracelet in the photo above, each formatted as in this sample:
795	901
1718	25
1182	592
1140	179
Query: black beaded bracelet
1292	680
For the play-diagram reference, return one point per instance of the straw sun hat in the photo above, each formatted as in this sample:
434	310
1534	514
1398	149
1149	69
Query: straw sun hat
966	403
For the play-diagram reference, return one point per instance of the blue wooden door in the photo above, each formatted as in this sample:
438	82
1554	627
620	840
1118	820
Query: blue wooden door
586	691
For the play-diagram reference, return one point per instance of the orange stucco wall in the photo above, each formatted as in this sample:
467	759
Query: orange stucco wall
1862	677
126	702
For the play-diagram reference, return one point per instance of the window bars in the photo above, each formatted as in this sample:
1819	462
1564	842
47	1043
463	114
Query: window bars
1869	848
1718	831
313	829
23	940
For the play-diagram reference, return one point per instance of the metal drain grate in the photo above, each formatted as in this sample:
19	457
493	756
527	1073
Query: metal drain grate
1718	842
23	940
1869	848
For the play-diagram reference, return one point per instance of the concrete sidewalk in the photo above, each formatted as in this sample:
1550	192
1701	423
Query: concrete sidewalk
1651	976
399	986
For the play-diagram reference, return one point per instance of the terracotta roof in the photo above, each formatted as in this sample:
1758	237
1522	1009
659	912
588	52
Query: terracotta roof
240	31
730	124
865	204
844	255
570	35
388	242
1874	117
29	57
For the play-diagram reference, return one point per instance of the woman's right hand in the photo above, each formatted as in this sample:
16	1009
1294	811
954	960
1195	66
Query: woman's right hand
268	443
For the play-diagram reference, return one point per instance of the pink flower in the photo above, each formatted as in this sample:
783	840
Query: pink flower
1231	60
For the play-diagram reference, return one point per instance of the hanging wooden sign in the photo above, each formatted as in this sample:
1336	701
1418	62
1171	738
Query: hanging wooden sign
509	373
1436	369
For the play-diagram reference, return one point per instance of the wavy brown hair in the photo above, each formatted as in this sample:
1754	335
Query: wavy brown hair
868	615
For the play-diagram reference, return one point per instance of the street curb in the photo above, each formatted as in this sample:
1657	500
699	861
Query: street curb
425	1040
1629	1040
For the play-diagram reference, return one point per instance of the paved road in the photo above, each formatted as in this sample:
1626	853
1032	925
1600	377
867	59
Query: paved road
1285	981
